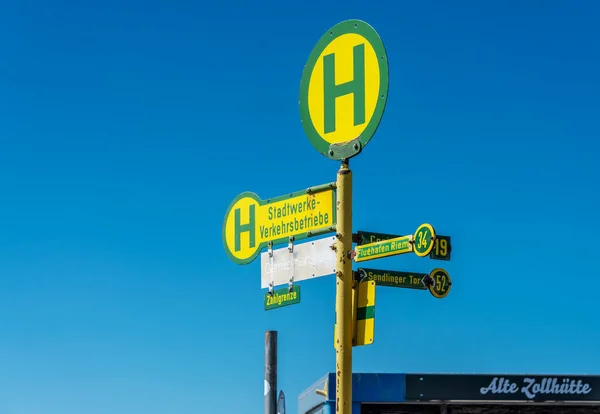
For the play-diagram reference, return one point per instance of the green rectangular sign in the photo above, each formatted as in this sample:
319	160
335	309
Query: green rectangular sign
384	248
366	237
441	247
282	297
392	278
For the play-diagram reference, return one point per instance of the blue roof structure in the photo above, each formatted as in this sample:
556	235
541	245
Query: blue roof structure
382	388
366	388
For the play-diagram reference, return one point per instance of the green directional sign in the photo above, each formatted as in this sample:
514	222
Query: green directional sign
421	243
442	245
366	237
410	280
384	248
282	297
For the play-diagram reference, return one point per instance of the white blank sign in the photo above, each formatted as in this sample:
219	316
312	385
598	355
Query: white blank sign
308	260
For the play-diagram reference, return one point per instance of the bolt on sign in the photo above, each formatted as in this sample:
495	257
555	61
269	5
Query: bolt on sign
363	314
343	90
251	223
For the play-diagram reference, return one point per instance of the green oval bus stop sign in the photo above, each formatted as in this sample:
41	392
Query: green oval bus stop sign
344	89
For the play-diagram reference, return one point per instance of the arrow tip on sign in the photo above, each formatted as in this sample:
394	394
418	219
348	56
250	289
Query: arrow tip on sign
428	281
362	274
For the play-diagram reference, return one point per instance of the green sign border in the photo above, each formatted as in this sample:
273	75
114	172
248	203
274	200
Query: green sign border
431	288
368	32
311	190
429	248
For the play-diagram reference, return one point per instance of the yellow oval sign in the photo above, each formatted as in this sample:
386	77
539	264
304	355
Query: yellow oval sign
344	88
441	283
424	239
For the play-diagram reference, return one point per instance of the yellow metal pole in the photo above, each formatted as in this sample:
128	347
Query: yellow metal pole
343	291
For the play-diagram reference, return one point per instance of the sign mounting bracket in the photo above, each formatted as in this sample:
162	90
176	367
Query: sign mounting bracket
345	150
270	252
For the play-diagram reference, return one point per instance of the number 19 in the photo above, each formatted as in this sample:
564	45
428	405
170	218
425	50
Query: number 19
441	247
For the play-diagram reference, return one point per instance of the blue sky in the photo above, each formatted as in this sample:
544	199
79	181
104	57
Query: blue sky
126	128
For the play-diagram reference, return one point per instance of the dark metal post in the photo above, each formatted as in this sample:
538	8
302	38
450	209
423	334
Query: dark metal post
271	372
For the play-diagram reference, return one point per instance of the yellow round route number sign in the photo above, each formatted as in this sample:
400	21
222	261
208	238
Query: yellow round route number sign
344	89
424	239
441	283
